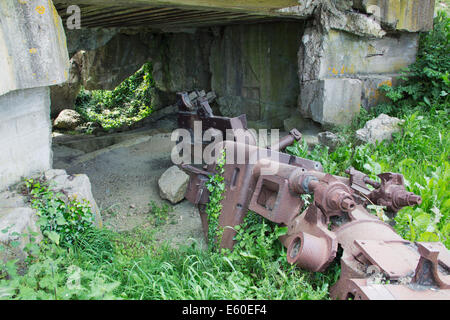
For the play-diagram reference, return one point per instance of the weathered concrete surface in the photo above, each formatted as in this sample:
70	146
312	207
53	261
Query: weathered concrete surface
181	61
404	15
109	65
25	134
331	101
254	70
371	95
33	50
339	54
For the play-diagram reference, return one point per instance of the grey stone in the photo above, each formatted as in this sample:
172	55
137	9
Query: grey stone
329	139
67	120
379	129
173	184
52	173
331	102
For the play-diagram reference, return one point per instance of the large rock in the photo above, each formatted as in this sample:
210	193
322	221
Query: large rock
173	184
67	120
379	129
75	187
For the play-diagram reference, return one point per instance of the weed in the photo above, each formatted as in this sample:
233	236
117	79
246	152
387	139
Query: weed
159	214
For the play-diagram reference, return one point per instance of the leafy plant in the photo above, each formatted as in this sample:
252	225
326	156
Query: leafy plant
216	188
160	214
61	220
129	102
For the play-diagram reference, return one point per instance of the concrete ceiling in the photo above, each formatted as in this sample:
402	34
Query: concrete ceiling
173	14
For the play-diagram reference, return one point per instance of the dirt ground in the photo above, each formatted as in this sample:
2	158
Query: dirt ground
124	178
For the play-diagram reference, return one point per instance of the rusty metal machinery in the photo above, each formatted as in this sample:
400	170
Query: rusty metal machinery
376	263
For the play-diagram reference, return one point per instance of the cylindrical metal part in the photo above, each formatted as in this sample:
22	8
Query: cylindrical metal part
307	251
282	143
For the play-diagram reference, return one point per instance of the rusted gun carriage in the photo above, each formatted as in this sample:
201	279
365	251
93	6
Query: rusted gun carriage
376	263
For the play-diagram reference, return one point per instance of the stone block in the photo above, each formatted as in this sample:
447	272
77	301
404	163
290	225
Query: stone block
173	184
76	187
331	101
16	221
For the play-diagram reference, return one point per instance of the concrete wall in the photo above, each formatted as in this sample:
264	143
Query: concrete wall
25	134
254	71
33	56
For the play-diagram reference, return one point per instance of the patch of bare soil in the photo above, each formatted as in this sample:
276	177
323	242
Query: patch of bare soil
124	180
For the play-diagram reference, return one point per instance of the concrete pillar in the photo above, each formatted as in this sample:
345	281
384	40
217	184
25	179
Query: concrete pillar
33	56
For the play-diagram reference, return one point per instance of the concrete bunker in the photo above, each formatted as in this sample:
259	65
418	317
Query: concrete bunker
284	63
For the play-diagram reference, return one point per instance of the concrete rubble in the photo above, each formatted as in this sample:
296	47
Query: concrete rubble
379	129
